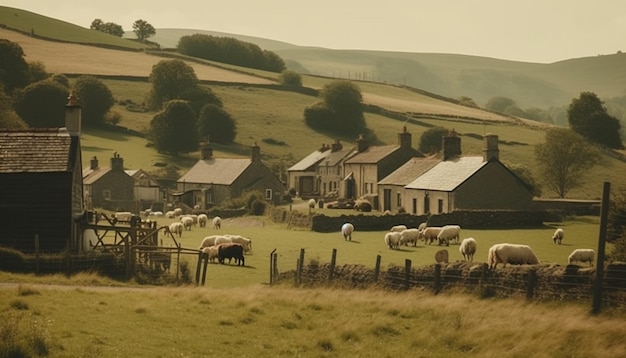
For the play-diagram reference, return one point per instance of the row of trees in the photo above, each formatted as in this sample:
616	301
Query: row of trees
142	29
230	50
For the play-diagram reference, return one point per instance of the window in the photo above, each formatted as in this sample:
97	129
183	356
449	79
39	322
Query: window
106	194
440	206
399	199
268	194
209	196
414	206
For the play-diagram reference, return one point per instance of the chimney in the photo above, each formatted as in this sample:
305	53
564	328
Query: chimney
451	145
206	151
490	148
117	163
72	115
93	163
362	144
255	153
336	146
404	139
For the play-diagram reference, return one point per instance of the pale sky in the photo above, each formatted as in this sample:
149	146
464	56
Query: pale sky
524	30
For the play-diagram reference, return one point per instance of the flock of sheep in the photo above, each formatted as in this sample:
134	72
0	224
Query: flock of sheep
504	253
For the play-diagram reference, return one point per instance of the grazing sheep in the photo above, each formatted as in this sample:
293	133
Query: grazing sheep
449	233
221	239
398	228
208	241
230	251
176	228
468	249
558	236
217	222
243	241
187	222
170	214
422	226
410	236
511	254
392	240
202	220
156	213
178	212
211	252
346	230
430	233
123	215
362	205
582	255
311	203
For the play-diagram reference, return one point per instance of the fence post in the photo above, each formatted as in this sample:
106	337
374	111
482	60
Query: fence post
532	282
604	215
299	268
481	283
272	266
333	259
437	278
197	268
377	268
275	260
407	273
204	267
36	254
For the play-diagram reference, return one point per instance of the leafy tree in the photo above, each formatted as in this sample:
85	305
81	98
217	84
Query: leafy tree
617	220
14	71
199	97
171	79
499	104
174	130
97	24
143	30
588	117
42	104
431	140
538	114
290	78
37	71
526	176
467	101
61	79
96	99
564	159
114	29
343	112
8	117
216	124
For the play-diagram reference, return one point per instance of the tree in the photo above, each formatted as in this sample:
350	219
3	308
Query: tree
216	124
114	29
96	99
431	140
42	104
526	177
588	117
171	79
174	129
199	97
97	24
143	30
499	104
341	109
564	159
8	117
14	71
290	78
37	72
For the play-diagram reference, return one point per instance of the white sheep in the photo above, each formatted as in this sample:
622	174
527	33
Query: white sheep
393	239
468	249
430	233
221	239
511	254
211	252
243	241
208	241
398	228
176	228
217	222
187	222
422	226
346	230
449	233
202	220
178	212
558	236
123	215
410	236
311	203
582	255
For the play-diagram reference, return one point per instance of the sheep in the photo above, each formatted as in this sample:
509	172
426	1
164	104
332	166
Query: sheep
581	255
123	215
448	233
187	222
211	252
468	249
558	236
430	233
178	212
176	228
208	241
311	203
202	220
392	239
217	222
398	228
511	254
243	241
170	214
410	236
422	226
346	230
156	213
221	239
230	251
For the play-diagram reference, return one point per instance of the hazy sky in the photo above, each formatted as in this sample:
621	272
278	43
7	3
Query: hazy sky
525	30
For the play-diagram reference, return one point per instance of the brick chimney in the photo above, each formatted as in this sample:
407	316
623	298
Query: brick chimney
206	151
73	115
451	145
117	162
255	153
362	144
404	139
490	147
93	164
336	146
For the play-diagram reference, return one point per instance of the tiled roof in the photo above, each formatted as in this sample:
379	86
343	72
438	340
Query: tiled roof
310	160
410	171
335	158
216	171
91	176
449	174
373	154
35	150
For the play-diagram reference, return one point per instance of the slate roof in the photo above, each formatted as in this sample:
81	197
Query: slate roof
449	174
91	176
216	171
334	158
409	171
373	154
310	160
36	150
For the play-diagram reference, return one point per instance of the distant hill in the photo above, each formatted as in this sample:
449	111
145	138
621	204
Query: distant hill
480	78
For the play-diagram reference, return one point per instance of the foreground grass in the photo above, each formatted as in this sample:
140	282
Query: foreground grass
264	321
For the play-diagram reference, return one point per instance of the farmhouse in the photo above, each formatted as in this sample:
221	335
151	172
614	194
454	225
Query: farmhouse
391	188
109	187
212	181
331	171
147	191
466	183
42	191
